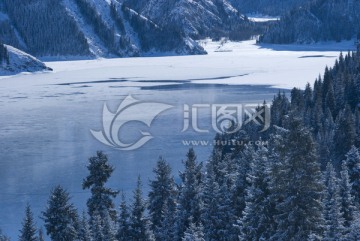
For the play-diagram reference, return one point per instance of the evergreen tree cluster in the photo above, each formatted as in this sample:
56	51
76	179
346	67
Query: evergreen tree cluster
316	21
150	34
105	32
8	34
330	109
116	17
276	192
199	19
46	27
291	189
50	28
7	31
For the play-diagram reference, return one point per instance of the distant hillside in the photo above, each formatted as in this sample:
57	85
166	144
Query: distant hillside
87	28
322	20
197	19
110	28
13	61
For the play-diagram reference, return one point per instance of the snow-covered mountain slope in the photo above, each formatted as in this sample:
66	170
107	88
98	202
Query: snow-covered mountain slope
319	21
195	18
93	28
16	61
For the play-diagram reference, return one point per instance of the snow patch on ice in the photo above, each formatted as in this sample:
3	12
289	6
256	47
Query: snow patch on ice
262	18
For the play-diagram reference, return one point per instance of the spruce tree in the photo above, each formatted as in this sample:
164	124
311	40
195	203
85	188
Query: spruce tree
345	134
355	229
190	202
193	233
102	229
241	182
258	214
97	227
139	225
84	233
353	164
123	221
279	109
108	229
162	196
296	185
101	200
60	216
218	215
332	206
167	231
348	208
28	231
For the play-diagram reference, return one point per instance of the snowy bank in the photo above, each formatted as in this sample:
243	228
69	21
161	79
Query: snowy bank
20	61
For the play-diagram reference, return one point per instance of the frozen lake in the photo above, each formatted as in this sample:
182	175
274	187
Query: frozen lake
46	118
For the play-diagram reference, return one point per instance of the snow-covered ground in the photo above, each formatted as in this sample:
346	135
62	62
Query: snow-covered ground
20	61
46	117
281	66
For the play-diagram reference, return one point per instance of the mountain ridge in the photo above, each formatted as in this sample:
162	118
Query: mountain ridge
317	21
113	28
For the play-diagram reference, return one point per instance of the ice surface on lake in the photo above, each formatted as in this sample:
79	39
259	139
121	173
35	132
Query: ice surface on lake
46	118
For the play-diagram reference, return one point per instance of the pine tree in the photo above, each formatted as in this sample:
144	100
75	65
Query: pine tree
280	107
189	201
97	228
108	229
161	196
353	164
60	216
28	231
123	221
296	185
345	133
348	208
103	229
355	229
329	101
139	225
167	231
217	158
258	214
46	27
101	197
84	229
297	100
332	206
218	215
193	233
241	183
